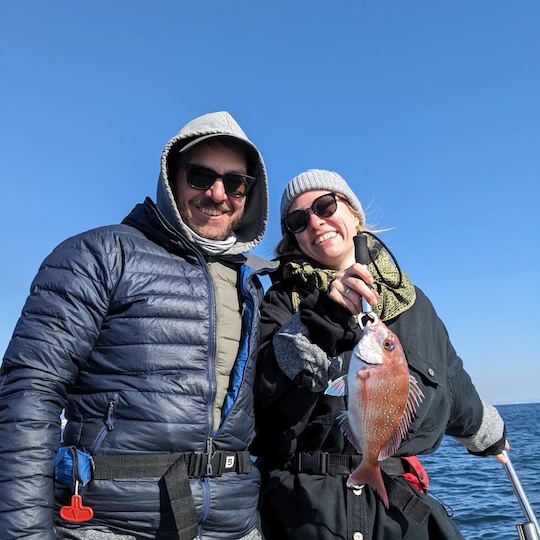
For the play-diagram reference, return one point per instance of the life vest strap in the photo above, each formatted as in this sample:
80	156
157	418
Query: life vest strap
123	466
409	468
175	470
326	463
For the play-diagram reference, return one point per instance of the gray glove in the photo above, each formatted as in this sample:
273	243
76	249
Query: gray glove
302	361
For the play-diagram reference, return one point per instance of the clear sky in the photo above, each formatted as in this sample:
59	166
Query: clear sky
430	110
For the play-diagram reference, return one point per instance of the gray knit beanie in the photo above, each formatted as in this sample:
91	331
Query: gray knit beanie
316	179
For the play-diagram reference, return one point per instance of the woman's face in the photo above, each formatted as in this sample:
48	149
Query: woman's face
327	240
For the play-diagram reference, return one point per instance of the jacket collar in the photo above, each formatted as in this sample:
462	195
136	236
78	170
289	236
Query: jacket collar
148	219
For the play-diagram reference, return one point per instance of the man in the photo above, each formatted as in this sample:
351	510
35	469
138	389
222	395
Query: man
144	333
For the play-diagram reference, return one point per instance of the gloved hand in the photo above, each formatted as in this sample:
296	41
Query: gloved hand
495	449
301	360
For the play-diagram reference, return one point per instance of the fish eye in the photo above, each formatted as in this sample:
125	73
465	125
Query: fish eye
388	345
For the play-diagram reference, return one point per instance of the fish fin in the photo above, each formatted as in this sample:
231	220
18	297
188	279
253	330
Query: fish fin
345	426
392	445
370	475
416	395
338	387
414	399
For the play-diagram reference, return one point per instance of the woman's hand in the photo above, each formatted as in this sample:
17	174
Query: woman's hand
501	458
350	286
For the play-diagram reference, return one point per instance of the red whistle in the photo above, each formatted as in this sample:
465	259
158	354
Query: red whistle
76	513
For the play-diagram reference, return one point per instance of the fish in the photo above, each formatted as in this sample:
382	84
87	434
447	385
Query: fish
383	398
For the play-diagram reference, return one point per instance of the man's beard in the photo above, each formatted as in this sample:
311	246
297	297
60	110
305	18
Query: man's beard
207	230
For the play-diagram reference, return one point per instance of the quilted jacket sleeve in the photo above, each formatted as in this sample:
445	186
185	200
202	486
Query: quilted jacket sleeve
56	332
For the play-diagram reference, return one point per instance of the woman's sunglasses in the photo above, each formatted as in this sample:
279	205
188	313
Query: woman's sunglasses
236	185
323	206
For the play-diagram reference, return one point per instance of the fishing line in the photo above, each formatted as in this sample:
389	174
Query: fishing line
447	508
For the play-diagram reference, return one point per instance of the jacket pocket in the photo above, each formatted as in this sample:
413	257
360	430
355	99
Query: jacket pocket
108	423
432	411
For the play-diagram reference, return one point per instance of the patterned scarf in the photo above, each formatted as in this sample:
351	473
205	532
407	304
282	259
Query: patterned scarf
392	301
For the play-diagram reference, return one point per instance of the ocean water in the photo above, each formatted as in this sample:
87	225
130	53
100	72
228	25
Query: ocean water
478	490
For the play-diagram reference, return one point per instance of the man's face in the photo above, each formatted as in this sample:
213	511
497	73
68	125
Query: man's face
212	213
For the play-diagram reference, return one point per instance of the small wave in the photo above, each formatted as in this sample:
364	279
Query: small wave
478	490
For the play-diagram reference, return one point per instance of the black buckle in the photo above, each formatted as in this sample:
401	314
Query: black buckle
220	462
311	463
199	466
195	464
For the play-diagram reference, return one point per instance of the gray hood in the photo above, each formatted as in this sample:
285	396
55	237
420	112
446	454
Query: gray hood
253	225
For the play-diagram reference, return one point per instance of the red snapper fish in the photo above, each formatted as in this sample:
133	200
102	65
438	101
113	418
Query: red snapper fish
382	401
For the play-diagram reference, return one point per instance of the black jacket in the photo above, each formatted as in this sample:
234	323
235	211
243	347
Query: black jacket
293	419
119	330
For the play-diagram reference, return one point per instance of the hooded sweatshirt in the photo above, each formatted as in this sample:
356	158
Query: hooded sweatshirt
220	124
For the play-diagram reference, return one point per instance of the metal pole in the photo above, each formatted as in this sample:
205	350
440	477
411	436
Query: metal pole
529	530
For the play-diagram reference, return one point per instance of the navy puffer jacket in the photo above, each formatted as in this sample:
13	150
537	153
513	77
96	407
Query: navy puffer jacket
119	330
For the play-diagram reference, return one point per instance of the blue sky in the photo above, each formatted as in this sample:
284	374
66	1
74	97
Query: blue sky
431	111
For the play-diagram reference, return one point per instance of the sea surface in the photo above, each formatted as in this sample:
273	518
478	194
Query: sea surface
478	490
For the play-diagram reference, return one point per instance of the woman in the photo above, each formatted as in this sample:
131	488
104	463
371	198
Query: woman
308	331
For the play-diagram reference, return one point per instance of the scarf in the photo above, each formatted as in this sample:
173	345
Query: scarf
213	247
306	278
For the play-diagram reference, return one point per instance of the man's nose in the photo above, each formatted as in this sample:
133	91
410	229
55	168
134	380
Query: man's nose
217	191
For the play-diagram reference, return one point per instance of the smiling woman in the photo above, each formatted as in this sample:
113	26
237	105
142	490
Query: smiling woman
327	230
309	328
323	206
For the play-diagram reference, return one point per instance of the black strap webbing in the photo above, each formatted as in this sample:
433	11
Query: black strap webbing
182	503
325	463
343	464
119	466
410	504
175	470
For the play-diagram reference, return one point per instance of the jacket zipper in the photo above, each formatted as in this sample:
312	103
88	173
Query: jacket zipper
212	378
108	423
211	355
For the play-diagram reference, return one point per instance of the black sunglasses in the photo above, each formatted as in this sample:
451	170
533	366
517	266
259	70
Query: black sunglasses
323	206
236	185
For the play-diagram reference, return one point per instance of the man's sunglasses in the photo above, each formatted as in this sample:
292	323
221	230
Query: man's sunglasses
236	185
323	206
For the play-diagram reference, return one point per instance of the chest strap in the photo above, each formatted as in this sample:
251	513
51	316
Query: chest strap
175	470
198	464
325	463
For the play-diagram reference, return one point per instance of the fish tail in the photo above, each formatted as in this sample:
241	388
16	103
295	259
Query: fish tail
369	474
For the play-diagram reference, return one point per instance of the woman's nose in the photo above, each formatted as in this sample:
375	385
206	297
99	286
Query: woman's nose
315	220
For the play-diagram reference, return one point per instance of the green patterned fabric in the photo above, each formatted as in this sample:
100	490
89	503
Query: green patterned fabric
306	278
